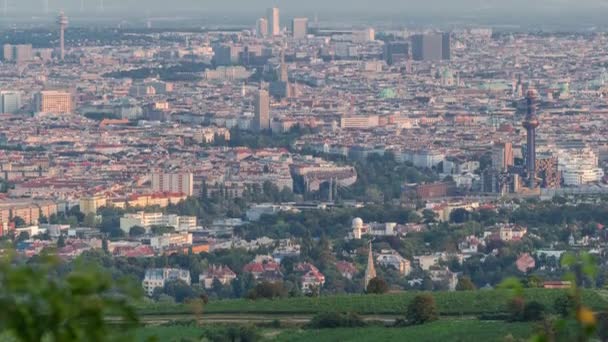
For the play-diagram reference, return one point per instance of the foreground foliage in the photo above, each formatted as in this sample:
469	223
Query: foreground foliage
38	305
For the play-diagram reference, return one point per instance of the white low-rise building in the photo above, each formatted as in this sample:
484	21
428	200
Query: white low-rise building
171	240
147	220
579	166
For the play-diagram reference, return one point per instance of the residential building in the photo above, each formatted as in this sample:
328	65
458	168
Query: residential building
158	277
221	273
390	258
53	102
90	204
18	53
312	279
359	121
444	275
525	263
264	270
182	182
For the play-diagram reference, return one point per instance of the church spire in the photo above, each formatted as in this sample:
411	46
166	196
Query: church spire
370	271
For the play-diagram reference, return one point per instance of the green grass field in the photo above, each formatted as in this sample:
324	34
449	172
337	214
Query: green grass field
449	303
448	330
168	334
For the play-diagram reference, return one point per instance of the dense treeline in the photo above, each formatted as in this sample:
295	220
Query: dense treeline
184	71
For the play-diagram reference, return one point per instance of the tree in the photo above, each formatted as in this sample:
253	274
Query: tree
422	309
137	231
60	242
160	230
564	305
38	305
267	290
465	284
377	286
90	220
429	216
459	215
19	222
534	281
534	311
516	307
179	290
23	236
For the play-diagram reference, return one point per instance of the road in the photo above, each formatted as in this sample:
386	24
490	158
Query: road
295	319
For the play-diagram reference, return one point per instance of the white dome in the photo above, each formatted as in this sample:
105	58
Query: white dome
357	222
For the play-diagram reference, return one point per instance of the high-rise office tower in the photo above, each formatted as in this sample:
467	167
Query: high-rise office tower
431	46
262	111
262	27
446	45
272	15
53	102
62	21
530	123
299	28
396	52
10	101
502	156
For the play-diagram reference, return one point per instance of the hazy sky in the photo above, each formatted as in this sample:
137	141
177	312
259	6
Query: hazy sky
293	6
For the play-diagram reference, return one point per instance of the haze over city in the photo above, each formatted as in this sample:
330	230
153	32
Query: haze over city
303	170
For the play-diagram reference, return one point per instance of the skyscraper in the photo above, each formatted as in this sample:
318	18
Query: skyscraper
502	156
431	46
262	111
283	75
530	123
370	270
446	45
272	15
299	28
396	52
10	101
262	27
62	21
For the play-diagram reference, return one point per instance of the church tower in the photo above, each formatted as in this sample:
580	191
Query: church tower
370	271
